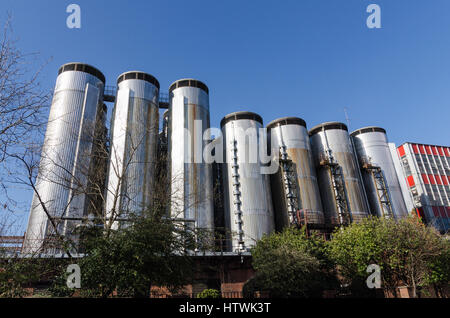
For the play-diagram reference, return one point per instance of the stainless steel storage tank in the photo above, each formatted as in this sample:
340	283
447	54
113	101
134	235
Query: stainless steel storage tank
190	177
295	192
378	170
134	137
66	157
342	192
247	196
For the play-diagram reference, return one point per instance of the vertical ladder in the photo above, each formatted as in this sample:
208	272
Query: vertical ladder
381	187
237	195
338	183
290	184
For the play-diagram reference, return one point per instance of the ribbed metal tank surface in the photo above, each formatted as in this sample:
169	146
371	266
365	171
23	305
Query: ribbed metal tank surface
373	152
295	192
66	156
333	151
247	195
134	136
190	176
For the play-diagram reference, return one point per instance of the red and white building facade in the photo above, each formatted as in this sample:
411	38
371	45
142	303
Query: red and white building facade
425	170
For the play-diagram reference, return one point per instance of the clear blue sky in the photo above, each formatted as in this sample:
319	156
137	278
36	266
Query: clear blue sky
309	58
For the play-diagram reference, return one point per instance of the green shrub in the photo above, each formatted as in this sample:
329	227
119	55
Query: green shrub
209	293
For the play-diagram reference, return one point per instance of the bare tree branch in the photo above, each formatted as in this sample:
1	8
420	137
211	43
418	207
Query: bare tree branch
23	105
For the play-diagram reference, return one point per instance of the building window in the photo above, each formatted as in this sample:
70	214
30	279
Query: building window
447	152
431	178
421	167
422	149
406	167
444	180
434	150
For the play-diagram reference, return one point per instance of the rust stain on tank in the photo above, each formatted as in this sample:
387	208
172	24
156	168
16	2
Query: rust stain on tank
307	188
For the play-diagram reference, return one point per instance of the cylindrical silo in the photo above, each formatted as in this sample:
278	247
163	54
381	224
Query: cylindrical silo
342	191
134	141
378	170
295	192
247	196
66	157
189	176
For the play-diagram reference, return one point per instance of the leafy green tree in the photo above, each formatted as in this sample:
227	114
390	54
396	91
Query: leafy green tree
417	252
405	251
439	276
356	247
18	274
289	264
151	251
59	287
14	276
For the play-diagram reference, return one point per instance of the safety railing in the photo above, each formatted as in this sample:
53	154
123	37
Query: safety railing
110	92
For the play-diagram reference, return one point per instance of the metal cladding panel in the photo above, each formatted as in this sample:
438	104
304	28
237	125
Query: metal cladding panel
401	151
296	140
65	154
338	142
190	177
78	204
134	137
254	187
396	157
373	146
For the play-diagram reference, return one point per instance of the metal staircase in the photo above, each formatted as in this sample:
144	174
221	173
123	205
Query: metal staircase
338	183
290	183
381	187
